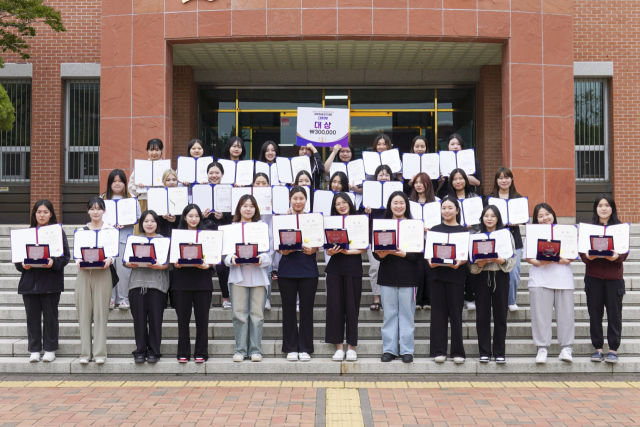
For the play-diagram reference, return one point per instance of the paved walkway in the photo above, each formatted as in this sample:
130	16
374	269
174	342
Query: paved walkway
25	402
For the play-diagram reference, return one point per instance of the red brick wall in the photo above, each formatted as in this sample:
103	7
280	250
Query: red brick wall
185	110
80	43
489	123
609	30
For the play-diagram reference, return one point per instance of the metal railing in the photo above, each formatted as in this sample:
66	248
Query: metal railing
15	145
82	131
591	130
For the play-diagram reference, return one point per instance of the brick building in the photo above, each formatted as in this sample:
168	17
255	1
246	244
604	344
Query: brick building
549	88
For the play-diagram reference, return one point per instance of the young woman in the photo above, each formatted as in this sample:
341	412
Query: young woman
344	289
154	150
418	146
456	143
148	287
382	143
298	276
169	222
41	288
339	182
191	287
248	291
551	290
116	189
604	286
422	189
269	151
93	292
303	179
261	179
504	187
317	167
492	290
339	154
398	278
383	174
234	149
195	149
447	292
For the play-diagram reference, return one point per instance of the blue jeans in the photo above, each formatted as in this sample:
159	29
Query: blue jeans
247	307
514	278
399	309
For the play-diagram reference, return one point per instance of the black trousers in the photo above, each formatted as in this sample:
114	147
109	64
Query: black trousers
423	293
183	301
45	307
294	339
446	308
492	290
343	307
147	308
603	294
223	279
469	285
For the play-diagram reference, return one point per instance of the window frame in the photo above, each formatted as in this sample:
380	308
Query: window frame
601	148
15	179
78	149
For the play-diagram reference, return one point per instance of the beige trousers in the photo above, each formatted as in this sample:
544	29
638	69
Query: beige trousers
93	294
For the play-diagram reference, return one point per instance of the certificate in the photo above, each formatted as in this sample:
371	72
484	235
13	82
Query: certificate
463	159
282	222
178	237
109	239
202	195
432	237
263	196
121	212
229	175
236	195
355	171
191	169
390	158
413	164
161	245
461	240
312	227
271	170
48	235
568	237
322	200
256	232
171	200
513	211
357	227
211	241
411	235
288	169
470	211
337	167
376	194
237	172
149	172
222	198
533	233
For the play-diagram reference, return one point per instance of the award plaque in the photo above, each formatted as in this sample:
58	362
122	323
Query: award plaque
190	254
247	253
92	258
484	249
336	237
290	240
444	253
601	246
548	250
143	254
384	240
37	255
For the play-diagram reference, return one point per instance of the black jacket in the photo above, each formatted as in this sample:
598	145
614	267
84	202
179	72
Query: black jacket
45	280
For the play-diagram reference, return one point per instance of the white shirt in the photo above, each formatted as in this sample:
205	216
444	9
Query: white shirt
551	276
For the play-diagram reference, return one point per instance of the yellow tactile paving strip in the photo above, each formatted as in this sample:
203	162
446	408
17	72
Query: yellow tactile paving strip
346	385
343	408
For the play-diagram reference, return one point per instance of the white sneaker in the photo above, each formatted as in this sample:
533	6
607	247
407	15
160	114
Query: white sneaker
124	305
292	357
226	305
565	355
470	305
304	357
100	361
112	305
514	307
426	307
338	356
237	357
352	356
267	305
458	360
542	356
49	356
440	359
256	357
35	357
297	308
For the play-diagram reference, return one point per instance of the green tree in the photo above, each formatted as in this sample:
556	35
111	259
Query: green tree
7	111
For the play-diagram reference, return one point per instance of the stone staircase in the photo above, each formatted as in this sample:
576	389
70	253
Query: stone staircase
520	348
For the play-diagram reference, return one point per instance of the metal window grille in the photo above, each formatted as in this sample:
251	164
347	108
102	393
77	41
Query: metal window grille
15	145
83	131
591	129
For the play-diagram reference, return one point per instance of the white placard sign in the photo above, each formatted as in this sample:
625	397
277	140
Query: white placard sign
322	127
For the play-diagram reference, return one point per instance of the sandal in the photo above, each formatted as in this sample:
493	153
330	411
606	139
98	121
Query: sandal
376	306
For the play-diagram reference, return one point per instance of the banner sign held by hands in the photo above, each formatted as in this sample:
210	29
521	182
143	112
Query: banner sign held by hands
323	127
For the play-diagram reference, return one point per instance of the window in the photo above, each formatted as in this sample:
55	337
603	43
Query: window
83	131
591	129
15	145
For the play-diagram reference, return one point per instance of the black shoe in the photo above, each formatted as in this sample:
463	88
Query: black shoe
139	358
387	357
407	358
152	359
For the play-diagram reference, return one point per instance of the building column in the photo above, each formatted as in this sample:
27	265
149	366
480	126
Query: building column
185	110
489	123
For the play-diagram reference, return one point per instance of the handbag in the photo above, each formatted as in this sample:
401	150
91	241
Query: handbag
112	268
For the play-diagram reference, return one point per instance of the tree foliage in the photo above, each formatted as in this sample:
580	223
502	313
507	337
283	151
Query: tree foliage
7	111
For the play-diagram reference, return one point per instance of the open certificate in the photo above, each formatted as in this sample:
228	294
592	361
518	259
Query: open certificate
413	164
410	232
503	248
280	199
310	225
161	245
566	234
121	211
213	197
460	240
237	172
191	169
322	200
288	168
390	158
271	170
244	232
513	211
463	159
470	210
354	170
109	239
262	195
375	194
211	241
48	235
620	233
357	227
171	200
149	172
429	213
